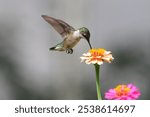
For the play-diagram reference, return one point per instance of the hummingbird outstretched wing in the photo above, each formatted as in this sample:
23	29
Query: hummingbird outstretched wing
60	26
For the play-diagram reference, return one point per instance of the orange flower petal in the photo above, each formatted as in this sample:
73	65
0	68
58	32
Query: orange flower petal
97	56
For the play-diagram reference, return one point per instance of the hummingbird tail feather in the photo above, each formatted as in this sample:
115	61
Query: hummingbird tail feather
52	48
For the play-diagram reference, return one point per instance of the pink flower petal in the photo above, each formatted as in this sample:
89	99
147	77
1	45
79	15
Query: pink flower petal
126	92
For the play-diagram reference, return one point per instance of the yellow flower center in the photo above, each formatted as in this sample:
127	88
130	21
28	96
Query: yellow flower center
122	90
97	52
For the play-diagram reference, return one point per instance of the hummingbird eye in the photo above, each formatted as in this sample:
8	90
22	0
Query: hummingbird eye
85	35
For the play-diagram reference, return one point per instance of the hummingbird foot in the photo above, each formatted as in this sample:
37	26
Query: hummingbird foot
69	51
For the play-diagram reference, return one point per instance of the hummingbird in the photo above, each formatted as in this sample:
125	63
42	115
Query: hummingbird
70	35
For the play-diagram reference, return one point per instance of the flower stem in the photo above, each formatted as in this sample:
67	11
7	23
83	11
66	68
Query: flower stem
97	68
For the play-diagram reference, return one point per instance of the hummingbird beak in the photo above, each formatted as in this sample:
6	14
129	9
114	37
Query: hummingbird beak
89	44
88	40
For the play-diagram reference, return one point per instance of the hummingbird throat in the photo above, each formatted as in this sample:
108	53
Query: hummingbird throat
76	34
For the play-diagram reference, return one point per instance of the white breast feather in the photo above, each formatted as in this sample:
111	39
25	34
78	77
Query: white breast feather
76	34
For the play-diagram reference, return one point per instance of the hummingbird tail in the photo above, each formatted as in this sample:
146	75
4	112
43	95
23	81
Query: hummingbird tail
52	48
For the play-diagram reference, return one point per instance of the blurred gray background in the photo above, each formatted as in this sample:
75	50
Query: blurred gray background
29	71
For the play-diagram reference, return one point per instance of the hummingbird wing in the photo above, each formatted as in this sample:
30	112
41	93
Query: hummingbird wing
60	26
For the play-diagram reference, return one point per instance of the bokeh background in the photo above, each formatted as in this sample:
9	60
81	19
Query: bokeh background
29	71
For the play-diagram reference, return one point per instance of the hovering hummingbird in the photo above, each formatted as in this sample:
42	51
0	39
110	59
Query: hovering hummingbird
70	36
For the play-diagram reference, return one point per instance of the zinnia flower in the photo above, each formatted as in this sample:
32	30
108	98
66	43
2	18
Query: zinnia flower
123	92
97	56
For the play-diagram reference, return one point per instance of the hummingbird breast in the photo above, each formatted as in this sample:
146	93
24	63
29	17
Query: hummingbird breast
71	41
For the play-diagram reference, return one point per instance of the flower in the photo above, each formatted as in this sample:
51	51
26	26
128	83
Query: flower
97	56
123	92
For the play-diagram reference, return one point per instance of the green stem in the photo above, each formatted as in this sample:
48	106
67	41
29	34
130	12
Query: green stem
97	68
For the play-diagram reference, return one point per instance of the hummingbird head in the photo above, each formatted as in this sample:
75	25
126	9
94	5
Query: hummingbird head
85	34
